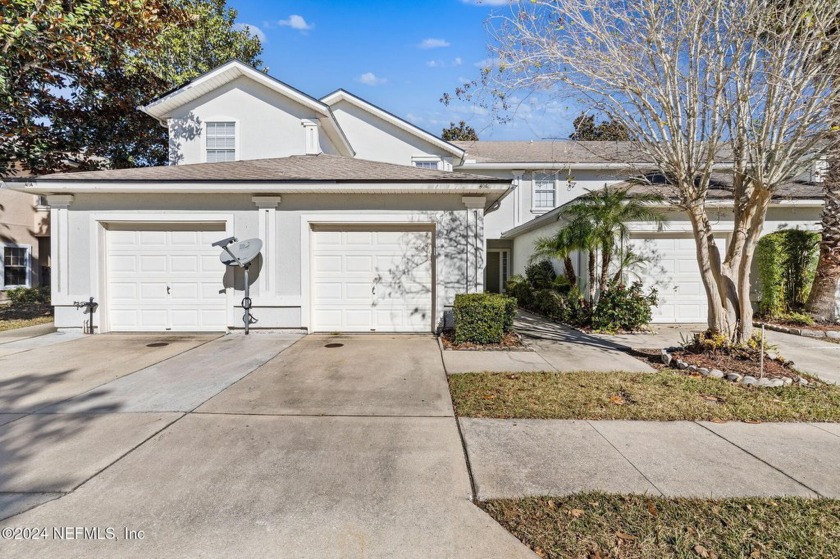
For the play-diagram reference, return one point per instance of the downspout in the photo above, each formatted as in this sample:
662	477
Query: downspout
475	248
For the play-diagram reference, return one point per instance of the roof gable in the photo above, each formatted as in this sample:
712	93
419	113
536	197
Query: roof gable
344	95
162	107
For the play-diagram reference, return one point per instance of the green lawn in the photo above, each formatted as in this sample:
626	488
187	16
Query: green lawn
665	396
12	324
595	525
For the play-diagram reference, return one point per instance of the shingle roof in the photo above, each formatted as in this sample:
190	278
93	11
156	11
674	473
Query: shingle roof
800	188
297	168
553	151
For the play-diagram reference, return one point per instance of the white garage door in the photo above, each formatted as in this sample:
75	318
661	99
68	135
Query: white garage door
165	277
673	270
371	280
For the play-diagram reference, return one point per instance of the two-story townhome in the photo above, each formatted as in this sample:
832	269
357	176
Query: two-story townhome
364	225
368	223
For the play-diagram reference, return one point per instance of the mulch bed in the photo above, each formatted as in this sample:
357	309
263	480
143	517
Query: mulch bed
511	342
741	362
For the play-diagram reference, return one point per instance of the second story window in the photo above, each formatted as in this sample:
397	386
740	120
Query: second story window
423	162
545	196
221	141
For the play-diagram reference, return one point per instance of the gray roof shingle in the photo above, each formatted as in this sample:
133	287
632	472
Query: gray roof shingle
297	168
553	151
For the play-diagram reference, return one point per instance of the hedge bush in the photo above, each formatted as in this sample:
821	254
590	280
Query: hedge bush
483	318
786	262
541	275
551	304
28	296
623	308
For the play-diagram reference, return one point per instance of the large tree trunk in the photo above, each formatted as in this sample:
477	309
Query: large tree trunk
708	258
822	302
591	276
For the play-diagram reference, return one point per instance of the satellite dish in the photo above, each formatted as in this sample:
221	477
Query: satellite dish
241	253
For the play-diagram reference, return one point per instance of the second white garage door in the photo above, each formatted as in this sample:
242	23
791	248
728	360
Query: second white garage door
673	270
165	277
371	280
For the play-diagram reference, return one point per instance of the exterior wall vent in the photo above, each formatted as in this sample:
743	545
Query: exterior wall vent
311	136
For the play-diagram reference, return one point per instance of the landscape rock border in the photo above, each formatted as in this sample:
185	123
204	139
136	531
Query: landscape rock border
804	332
745	380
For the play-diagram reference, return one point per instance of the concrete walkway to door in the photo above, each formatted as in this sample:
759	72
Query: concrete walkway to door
338	446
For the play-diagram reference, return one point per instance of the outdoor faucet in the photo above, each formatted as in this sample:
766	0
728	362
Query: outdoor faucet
90	307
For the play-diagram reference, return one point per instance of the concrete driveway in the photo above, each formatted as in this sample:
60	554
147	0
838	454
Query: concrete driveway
231	446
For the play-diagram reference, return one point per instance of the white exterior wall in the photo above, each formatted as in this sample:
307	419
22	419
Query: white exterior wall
459	245
517	208
377	140
784	216
267	124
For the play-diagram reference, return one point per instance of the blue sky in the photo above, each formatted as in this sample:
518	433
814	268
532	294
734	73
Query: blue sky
401	56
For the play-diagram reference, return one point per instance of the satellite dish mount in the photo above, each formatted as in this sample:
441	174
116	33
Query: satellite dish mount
241	254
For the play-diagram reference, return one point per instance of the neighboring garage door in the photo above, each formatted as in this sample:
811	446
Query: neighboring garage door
673	270
165	277
371	280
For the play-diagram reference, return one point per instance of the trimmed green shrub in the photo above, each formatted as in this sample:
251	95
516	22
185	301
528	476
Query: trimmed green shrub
786	262
623	308
550	304
541	275
28	296
519	288
483	318
578	311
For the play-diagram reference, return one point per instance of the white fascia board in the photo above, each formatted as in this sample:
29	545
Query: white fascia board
326	187
160	108
342	95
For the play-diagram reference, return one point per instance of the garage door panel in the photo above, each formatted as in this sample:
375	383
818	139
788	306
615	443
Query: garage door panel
165	279
385	279
150	264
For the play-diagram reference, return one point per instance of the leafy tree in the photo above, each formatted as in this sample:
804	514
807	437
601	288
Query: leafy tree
459	132
693	81
609	130
73	73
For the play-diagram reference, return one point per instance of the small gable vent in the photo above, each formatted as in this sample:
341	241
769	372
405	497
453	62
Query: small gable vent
310	136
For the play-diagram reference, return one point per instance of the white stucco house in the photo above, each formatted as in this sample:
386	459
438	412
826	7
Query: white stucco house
547	176
369	223
365	226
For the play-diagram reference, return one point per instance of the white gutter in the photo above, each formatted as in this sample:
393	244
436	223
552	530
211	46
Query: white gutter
562	166
325	187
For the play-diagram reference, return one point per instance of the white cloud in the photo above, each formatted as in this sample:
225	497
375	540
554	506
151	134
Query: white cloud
487	63
296	22
433	43
252	29
443	64
369	78
411	117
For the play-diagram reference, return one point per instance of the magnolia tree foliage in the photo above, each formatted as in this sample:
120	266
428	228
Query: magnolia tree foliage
735	86
72	73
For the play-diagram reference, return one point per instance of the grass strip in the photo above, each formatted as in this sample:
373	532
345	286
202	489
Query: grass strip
664	396
601	526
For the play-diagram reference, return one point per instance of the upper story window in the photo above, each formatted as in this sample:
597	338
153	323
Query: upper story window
545	191
426	162
15	266
221	141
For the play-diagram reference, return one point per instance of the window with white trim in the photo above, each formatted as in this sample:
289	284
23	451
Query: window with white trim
432	163
545	191
15	266
221	141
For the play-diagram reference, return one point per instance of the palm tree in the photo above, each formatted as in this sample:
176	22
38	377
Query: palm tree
608	212
598	222
822	302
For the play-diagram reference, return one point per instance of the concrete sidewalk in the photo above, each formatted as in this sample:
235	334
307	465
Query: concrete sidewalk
516	458
556	348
